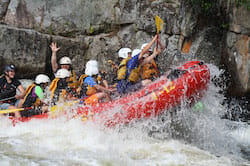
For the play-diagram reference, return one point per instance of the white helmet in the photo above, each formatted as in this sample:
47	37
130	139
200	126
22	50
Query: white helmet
123	52
144	45
91	63
62	73
42	78
65	61
91	70
135	52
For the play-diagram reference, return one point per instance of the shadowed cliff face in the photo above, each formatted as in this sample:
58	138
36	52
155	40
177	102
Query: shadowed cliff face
215	32
3	8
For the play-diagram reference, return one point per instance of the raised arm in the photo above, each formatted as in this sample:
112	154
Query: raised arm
104	89
151	57
161	45
147	47
54	49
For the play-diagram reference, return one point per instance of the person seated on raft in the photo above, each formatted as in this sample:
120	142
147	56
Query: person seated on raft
34	97
150	70
60	90
100	77
8	86
91	91
119	70
65	63
124	55
133	68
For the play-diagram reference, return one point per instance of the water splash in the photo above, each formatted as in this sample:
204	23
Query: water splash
186	137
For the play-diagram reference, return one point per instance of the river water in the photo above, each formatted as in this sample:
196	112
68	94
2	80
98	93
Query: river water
188	137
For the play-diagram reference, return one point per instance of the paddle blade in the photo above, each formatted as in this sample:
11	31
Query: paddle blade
159	23
11	110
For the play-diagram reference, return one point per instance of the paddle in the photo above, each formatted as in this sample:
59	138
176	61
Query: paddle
14	110
159	26
7	98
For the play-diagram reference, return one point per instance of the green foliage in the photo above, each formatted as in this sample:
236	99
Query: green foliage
91	29
245	3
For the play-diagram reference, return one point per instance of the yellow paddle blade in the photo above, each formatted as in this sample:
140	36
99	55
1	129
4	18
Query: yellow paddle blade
11	110
159	23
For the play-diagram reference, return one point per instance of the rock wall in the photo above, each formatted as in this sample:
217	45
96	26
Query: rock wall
214	31
238	49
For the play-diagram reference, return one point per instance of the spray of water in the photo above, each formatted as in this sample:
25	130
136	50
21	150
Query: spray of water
181	136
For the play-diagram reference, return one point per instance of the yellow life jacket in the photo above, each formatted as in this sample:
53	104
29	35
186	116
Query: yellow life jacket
63	95
90	90
28	91
121	73
135	74
81	79
53	86
99	79
149	70
73	81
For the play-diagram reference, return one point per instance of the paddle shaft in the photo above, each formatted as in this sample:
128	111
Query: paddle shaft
7	98
14	110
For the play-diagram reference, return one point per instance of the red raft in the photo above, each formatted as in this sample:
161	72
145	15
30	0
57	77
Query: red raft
187	82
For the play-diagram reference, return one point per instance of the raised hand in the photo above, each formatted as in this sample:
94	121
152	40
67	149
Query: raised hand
157	51
53	47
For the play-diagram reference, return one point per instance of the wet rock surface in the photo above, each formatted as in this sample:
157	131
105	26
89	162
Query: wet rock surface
217	33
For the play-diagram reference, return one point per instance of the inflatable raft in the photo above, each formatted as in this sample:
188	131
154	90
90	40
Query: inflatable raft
187	82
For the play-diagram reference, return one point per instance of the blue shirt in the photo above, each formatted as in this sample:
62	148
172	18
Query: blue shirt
132	64
90	81
124	85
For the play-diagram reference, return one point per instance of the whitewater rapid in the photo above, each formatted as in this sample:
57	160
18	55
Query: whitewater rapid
189	137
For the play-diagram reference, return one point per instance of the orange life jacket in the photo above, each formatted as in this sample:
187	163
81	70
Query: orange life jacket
149	70
90	90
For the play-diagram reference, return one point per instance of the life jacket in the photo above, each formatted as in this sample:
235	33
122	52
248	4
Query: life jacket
82	85
99	79
81	79
73	81
86	90
59	90
135	74
149	70
7	91
121	73
29	99
53	87
91	91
